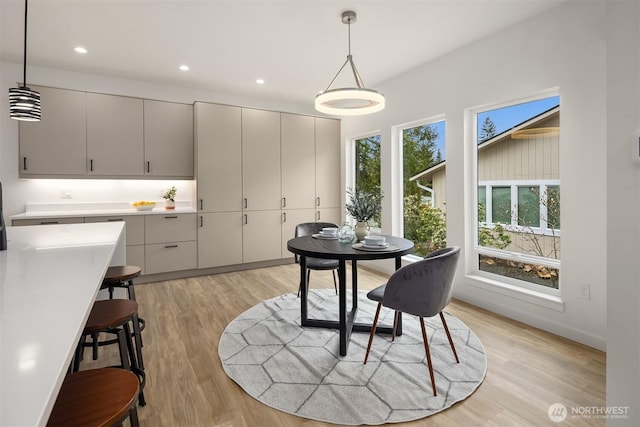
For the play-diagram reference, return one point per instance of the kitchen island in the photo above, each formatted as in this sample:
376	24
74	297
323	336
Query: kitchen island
49	278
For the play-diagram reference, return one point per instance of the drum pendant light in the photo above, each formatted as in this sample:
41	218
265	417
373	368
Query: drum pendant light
350	101
24	103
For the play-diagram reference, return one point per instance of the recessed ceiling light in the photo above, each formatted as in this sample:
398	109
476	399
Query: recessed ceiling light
184	67
260	81
80	49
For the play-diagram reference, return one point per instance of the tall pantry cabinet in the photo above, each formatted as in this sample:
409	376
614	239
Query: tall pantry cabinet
260	173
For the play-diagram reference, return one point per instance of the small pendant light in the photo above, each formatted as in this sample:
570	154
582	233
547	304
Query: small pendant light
24	103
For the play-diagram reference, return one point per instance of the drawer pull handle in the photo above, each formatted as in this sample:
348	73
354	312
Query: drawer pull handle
49	222
246	204
91	167
318	201
201	221
201	204
284	217
246	219
284	202
148	167
171	217
114	219
170	246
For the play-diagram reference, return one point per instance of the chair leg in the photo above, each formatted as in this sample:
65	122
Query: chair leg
446	329
373	332
395	325
335	284
428	353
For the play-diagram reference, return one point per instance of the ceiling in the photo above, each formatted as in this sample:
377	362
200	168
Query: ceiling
296	46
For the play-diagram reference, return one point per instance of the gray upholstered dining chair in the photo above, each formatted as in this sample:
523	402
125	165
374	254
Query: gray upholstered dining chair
309	228
422	289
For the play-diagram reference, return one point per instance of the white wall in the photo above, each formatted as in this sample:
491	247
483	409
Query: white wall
623	208
563	48
591	52
17	192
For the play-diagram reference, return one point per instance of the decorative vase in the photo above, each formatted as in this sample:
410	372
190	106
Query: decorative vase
169	204
362	230
346	233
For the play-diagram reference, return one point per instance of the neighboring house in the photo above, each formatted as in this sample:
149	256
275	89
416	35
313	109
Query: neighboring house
514	169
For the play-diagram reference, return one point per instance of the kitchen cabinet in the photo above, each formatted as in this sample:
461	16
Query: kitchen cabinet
218	157
134	235
168	139
328	166
114	135
261	159
298	161
170	243
84	134
47	221
291	218
261	236
219	239
56	145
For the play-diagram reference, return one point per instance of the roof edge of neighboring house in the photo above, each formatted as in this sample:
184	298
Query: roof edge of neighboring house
493	140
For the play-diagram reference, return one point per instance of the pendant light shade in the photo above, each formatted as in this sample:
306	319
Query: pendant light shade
24	103
350	101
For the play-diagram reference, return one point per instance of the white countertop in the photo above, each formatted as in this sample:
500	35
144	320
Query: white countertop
49	277
63	210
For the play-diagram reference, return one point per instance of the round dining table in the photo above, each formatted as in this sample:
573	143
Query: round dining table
332	248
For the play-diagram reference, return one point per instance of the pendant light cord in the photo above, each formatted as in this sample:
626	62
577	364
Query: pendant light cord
24	72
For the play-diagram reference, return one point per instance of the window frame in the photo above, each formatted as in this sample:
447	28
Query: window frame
472	268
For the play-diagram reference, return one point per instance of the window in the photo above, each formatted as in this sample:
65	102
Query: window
367	167
423	185
518	205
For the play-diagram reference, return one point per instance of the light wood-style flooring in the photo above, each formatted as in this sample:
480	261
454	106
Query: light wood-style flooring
528	369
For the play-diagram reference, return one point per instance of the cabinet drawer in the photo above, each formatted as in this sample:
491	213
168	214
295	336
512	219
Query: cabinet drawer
134	226
163	257
135	256
45	221
170	228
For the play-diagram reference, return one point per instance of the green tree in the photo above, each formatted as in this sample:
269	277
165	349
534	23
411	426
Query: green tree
368	164
424	225
488	129
419	153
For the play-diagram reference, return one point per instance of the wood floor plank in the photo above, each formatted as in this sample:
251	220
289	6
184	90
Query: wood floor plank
528	369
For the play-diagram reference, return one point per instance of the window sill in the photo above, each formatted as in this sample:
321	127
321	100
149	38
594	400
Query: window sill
541	299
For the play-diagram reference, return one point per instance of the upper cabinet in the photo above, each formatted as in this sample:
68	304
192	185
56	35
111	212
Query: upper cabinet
168	139
106	136
114	135
327	163
55	146
261	159
298	164
218	157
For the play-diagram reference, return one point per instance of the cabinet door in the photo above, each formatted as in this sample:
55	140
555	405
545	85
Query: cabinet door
56	145
168	139
161	228
261	159
114	135
291	218
261	236
218	157
298	161
327	163
134	226
219	239
176	256
329	215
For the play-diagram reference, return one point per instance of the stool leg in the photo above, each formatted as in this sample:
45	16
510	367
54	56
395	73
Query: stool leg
132	292
94	337
137	336
133	417
136	360
122	345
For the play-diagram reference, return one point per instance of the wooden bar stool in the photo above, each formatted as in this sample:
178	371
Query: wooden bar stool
96	397
122	277
114	317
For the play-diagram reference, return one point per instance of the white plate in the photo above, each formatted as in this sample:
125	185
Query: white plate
363	247
322	236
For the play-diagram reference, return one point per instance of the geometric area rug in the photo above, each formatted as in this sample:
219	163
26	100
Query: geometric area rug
299	370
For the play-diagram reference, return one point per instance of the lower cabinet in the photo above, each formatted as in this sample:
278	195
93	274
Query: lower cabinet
219	239
170	242
291	218
261	236
134	235
173	256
